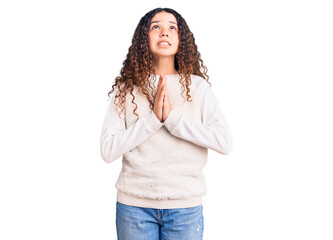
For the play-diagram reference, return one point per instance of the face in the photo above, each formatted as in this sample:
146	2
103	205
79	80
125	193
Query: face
163	35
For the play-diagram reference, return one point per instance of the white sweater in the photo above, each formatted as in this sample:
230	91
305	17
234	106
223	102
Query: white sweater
162	162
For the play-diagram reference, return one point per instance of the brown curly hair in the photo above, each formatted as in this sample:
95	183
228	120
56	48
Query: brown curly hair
138	67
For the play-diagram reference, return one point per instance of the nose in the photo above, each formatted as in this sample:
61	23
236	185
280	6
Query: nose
164	34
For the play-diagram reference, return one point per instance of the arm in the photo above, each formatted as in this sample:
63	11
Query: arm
213	132
116	139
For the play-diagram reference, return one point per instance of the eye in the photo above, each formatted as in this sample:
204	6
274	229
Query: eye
173	28
153	27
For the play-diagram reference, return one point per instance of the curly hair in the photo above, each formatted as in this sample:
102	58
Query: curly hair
138	66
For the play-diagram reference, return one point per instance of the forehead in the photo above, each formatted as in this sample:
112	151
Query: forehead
164	17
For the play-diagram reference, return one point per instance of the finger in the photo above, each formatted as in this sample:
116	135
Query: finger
159	80
162	77
159	85
157	95
164	92
164	80
160	92
162	89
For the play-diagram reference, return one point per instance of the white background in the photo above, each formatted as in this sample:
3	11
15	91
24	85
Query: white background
270	65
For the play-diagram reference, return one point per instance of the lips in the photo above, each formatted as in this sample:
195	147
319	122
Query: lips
163	43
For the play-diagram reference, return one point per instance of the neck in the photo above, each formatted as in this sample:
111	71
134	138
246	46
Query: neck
165	65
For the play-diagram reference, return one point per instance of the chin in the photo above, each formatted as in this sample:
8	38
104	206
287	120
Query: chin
164	54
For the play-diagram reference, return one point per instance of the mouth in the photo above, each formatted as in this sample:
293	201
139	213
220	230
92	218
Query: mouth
164	44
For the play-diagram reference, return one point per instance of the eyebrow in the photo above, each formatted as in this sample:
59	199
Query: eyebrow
159	21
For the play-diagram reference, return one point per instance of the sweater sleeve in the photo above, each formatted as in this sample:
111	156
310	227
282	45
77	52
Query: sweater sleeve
116	139
213	132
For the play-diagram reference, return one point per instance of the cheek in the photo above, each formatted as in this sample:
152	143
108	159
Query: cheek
151	39
149	42
177	40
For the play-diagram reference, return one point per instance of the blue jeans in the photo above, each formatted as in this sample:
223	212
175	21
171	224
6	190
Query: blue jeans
136	223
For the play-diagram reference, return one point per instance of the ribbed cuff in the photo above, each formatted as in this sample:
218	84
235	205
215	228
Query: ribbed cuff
152	121
172	120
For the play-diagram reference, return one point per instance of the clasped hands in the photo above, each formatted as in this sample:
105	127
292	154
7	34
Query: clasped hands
162	106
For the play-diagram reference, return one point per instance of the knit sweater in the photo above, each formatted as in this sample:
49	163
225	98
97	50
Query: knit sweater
162	162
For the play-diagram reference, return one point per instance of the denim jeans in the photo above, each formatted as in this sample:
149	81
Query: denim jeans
137	223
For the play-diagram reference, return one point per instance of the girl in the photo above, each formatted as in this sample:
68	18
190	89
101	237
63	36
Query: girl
162	134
